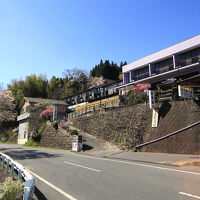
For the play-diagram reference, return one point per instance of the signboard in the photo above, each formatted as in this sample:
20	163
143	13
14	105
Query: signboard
185	92
75	143
152	99
155	116
55	111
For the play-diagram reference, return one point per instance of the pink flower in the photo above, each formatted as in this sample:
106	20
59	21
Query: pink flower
142	86
46	114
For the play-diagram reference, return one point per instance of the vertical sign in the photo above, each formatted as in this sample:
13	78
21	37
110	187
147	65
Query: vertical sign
155	116
55	112
75	143
152	100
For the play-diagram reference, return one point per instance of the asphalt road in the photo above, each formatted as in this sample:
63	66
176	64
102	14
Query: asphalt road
64	175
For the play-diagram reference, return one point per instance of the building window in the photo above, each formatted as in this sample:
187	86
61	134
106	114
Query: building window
163	66
126	77
189	57
142	73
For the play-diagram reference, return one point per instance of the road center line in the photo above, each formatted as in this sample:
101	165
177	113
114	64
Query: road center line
142	165
189	195
53	186
96	170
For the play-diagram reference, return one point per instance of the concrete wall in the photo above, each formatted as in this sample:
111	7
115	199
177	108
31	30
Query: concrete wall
23	131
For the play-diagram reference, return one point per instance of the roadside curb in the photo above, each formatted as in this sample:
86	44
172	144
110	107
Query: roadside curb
144	161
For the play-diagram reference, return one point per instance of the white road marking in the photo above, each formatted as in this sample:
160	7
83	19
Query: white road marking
143	165
96	170
53	186
189	195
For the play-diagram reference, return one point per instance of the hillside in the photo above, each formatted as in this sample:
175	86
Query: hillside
130	126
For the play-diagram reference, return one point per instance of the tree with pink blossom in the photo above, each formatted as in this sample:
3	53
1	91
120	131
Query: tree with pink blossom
46	114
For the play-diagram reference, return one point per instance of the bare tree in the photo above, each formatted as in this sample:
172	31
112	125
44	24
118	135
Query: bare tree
1	86
74	73
7	107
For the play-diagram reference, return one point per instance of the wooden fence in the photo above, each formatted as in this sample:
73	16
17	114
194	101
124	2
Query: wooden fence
95	106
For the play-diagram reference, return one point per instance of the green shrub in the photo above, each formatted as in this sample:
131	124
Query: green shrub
175	96
55	125
7	136
31	143
136	97
123	141
42	127
10	189
37	134
74	132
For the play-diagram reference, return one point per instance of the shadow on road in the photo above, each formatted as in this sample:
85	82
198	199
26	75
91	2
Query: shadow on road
87	147
29	154
4	149
39	194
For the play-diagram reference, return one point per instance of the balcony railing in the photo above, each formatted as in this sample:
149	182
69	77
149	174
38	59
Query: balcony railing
189	61
163	69
141	76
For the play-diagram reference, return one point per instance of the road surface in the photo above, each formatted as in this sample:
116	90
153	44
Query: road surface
62	175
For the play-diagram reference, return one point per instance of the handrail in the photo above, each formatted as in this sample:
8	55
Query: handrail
168	135
22	174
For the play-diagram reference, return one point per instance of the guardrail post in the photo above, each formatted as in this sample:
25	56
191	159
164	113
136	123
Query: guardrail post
3	163
28	189
12	170
7	167
19	174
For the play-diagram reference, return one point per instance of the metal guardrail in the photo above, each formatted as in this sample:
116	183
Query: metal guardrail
166	136
22	173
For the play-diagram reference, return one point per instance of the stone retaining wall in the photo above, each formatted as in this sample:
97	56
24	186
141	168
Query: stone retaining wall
52	138
125	126
132	125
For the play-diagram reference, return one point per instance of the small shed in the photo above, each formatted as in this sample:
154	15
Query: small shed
59	108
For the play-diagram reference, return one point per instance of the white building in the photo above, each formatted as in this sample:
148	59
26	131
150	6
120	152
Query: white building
179	61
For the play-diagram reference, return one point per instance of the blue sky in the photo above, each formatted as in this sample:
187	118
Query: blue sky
49	36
